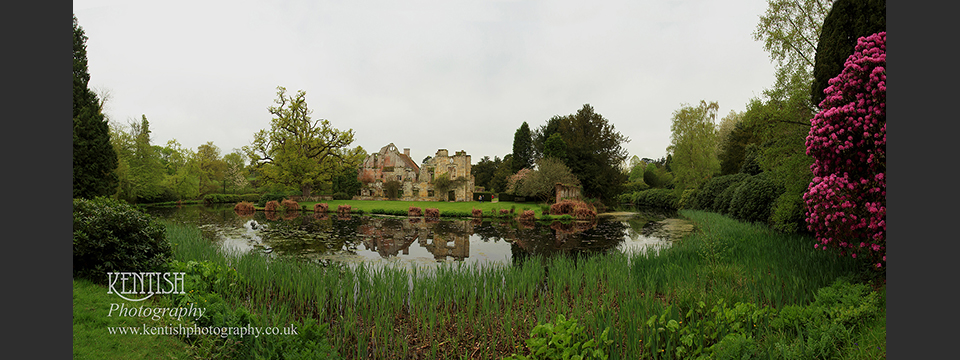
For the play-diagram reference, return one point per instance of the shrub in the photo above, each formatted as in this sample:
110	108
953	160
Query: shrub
846	200
244	208
290	205
414	212
504	213
432	213
320	207
562	207
656	198
714	187
527	215
721	204
110	235
564	339
477	213
584	211
272	206
276	196
753	199
341	196
685	198
343	210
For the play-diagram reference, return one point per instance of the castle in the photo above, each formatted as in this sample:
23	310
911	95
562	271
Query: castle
416	183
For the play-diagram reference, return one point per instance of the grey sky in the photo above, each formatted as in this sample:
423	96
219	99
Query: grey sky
425	75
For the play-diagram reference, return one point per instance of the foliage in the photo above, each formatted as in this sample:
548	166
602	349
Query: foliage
272	206
94	158
846	22
594	151
655	198
790	31
712	188
541	183
321	208
555	147
515	181
686	198
817	330
275	196
564	339
498	183
392	187
477	213
244	208
297	151
483	172
733	151
657	177
693	144
110	235
431	213
522	148
414	212
847	198
289	205
229	198
753	198
342	196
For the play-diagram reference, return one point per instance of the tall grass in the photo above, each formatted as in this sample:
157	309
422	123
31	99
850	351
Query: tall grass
487	311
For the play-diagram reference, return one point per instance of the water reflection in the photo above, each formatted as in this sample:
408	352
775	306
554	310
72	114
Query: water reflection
374	239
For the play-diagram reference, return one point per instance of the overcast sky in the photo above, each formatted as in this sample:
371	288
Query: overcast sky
424	75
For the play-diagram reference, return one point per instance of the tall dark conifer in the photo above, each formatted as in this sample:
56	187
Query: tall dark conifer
523	148
847	21
94	159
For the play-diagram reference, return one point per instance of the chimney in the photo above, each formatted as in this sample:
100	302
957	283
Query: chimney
406	151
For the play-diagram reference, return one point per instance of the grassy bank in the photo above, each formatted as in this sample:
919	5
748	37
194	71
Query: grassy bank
728	291
91	329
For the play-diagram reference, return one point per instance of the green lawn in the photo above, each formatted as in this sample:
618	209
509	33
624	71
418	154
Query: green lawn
91	336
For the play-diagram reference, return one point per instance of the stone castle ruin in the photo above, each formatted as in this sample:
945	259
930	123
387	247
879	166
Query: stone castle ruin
416	181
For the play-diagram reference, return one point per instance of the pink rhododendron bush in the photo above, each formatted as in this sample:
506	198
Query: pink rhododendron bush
847	199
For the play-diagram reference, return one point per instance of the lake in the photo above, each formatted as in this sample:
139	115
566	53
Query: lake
376	239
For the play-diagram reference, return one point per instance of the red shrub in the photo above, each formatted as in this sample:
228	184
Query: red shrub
344	210
244	208
477	213
320	207
527	215
432	213
271	206
290	205
414	212
504	212
562	208
583	211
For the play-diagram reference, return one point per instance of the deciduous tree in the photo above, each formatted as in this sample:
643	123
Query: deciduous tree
693	144
297	151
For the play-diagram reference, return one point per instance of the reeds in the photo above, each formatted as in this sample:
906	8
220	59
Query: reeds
487	311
